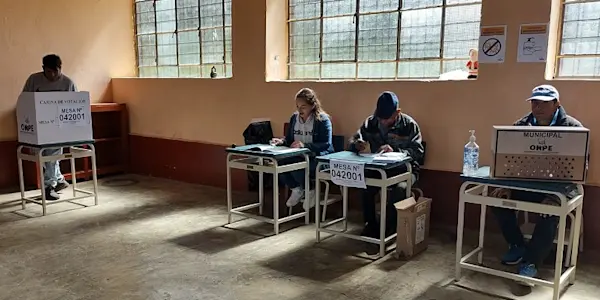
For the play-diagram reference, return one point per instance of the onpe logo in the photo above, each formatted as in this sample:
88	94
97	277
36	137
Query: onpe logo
26	126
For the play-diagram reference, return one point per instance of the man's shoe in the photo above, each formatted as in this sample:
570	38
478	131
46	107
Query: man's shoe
51	194
371	230
61	186
514	255
528	270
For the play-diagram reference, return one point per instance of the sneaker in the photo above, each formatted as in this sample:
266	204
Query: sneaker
528	270
310	203
297	195
61	186
514	255
51	194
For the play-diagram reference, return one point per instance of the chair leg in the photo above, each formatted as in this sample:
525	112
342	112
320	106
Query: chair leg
567	262
326	199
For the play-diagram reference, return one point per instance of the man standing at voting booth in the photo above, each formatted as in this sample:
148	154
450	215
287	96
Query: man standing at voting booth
546	110
387	130
51	79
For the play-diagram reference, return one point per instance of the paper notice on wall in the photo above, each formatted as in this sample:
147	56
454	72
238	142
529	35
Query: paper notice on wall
492	44
533	43
420	228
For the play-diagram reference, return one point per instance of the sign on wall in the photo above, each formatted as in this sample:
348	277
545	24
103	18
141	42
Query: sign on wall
533	43
492	44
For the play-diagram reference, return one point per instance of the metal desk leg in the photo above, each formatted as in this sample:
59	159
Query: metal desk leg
576	232
94	173
261	195
560	247
275	202
383	221
42	183
229	201
345	206
317	204
459	232
307	190
21	180
74	177
482	227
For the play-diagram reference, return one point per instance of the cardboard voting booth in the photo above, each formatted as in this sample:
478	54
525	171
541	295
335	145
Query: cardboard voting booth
548	153
54	118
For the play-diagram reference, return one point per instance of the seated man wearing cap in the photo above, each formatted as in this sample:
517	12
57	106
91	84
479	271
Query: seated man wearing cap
388	130
545	111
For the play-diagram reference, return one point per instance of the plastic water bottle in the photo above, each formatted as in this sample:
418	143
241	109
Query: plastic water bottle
471	156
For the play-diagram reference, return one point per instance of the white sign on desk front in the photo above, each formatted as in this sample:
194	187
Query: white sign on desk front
350	174
542	142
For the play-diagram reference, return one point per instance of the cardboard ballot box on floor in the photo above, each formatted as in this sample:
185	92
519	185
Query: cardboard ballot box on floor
54	118
413	226
548	153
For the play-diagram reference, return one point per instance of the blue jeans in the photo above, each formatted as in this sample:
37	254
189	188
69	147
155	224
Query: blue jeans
52	174
543	235
295	179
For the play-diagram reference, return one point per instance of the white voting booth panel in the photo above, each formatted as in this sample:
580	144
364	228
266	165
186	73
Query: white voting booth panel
550	153
54	117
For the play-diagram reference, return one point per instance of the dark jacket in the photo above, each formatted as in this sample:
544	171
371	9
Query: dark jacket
403	136
322	135
562	119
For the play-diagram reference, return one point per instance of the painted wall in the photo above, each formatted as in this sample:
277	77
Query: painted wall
93	37
217	111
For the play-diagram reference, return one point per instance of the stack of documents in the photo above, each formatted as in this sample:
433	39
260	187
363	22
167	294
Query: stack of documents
389	157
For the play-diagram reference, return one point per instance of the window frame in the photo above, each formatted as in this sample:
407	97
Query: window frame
199	29
559	44
357	16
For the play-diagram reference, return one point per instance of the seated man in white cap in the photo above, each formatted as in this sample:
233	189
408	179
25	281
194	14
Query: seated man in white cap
545	111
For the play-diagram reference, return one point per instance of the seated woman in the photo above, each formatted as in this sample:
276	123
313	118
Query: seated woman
309	127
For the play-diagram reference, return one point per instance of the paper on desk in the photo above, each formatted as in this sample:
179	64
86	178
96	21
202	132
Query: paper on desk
389	157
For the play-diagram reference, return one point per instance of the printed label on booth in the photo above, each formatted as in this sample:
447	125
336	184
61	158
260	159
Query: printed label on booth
72	115
348	174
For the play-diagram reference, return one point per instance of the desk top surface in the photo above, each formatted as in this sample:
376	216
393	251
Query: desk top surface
255	151
483	176
367	160
57	145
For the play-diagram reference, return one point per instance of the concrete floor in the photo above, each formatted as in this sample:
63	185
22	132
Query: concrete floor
159	239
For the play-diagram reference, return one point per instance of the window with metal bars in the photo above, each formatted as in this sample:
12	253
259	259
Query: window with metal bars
183	38
579	47
380	39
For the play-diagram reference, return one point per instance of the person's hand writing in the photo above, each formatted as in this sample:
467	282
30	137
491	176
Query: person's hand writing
297	144
276	142
360	145
386	148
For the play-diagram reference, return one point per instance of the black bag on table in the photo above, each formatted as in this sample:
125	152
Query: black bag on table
258	133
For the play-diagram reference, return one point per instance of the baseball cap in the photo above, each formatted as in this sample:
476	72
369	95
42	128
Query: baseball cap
544	92
387	105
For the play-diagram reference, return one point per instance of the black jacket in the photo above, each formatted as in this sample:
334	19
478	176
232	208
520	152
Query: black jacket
562	119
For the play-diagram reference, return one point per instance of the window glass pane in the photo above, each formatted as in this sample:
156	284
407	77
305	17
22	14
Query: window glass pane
145	17
378	5
187	14
304	9
579	67
304	71
165	16
412	4
419	69
461	31
228	70
338	7
453	65
211	13
420	33
377	70
167	49
378	37
453	2
219	68
189	71
228	44
189	48
212	45
338	38
304	41
227	12
338	71
168	72
581	29
147	72
146	50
